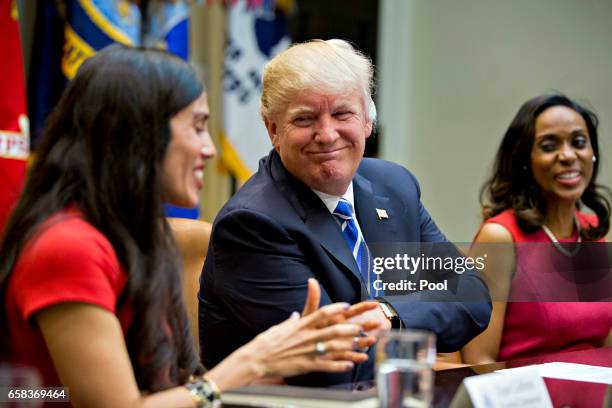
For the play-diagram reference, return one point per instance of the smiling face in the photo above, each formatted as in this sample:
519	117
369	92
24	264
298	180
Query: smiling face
321	138
562	155
189	148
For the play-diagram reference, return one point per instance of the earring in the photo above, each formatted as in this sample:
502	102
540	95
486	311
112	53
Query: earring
594	158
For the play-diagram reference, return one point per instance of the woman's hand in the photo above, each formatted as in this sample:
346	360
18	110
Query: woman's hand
322	340
360	313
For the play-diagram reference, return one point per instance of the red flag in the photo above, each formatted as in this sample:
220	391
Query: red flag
14	127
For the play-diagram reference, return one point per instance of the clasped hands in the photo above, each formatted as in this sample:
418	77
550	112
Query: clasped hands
331	338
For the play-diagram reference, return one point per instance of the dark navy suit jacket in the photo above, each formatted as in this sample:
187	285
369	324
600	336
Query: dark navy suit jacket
275	233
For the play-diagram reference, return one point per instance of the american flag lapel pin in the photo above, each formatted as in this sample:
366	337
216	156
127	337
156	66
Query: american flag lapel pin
382	214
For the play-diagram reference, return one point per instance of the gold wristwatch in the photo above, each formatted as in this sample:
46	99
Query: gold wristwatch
390	313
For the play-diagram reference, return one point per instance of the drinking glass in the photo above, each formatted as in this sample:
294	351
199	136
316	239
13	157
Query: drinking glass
404	368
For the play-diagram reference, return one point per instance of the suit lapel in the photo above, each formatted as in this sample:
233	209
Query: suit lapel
324	227
374	229
315	215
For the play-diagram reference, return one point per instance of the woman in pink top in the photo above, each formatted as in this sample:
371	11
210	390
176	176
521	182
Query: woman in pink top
545	172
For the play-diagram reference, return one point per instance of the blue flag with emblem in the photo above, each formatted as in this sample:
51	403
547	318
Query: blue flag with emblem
70	31
92	25
168	27
66	33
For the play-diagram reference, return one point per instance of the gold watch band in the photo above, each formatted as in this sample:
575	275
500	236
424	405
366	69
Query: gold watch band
390	313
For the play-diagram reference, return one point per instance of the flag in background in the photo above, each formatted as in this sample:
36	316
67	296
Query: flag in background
14	126
168	28
69	31
92	25
45	81
257	31
66	33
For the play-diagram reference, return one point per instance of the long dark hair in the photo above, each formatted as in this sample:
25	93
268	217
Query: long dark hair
512	185
102	149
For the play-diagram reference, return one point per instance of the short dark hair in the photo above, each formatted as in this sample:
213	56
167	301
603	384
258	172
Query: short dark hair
103	149
512	185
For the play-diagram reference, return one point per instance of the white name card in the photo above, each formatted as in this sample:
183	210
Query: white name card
505	390
571	371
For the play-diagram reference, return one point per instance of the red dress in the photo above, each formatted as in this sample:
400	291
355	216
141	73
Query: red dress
66	260
536	324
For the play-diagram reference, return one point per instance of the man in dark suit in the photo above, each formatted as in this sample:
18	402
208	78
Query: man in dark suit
310	211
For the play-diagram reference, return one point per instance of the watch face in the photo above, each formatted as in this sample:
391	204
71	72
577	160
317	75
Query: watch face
387	311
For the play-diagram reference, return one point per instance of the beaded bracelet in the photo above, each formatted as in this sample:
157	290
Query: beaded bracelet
204	392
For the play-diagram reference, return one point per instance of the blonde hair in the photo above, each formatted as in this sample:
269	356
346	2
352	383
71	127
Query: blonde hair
331	66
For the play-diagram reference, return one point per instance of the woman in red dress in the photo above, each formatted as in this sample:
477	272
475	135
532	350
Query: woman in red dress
543	177
89	272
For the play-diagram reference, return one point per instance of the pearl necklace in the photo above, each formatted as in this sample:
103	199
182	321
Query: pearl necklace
559	247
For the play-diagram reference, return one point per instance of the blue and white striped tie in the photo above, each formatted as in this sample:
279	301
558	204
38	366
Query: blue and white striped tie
356	243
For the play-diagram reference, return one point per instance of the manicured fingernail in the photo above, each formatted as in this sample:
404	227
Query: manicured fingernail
294	316
356	346
346	305
349	365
